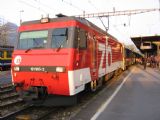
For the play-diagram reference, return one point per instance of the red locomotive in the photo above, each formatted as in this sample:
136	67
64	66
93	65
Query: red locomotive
58	58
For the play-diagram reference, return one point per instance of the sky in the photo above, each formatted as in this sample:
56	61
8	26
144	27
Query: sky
122	27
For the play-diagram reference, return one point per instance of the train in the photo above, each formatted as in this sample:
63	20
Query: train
131	57
58	58
5	57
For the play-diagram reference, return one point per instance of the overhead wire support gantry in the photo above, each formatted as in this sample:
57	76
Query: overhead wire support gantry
117	13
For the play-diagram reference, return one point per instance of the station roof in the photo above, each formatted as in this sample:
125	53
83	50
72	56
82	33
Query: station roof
153	39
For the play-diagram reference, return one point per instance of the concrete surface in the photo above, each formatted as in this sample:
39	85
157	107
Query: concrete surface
137	99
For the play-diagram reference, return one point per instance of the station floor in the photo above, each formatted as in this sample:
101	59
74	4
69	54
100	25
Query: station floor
136	98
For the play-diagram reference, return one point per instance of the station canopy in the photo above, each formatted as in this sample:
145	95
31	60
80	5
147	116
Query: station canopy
149	45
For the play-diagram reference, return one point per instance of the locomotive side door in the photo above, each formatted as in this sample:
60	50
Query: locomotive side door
94	58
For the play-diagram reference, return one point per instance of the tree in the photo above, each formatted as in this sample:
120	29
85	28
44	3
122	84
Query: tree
3	34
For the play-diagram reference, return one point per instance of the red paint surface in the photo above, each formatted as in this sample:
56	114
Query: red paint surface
71	59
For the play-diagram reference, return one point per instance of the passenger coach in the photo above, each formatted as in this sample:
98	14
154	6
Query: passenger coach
5	57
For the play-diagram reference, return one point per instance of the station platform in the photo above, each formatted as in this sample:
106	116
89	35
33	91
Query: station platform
137	97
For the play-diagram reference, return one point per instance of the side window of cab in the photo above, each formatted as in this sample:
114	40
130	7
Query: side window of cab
82	39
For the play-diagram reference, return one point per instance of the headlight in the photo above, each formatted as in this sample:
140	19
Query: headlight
16	68
60	69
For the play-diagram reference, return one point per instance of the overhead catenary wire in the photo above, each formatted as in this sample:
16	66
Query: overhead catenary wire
92	5
74	6
100	18
44	5
30	5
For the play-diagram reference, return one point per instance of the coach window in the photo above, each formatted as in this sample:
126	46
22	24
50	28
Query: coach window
1	54
59	38
9	54
82	39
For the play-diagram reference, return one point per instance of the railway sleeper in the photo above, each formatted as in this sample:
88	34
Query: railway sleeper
36	113
9	98
13	113
10	95
6	91
10	103
6	86
8	114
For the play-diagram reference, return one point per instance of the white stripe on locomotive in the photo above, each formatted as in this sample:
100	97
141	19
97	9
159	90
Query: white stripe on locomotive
105	49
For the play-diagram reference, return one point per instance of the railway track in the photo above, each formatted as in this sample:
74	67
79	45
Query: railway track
30	113
10	101
12	106
35	113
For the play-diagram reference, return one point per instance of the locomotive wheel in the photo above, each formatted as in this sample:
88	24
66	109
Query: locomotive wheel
100	82
42	92
94	86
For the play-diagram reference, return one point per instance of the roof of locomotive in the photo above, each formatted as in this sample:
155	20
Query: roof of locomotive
79	19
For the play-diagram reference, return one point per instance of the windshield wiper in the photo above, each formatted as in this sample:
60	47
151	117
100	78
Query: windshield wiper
28	50
32	48
60	45
58	48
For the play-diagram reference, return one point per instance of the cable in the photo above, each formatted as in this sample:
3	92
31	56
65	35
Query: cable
122	34
92	5
44	5
100	18
70	3
30	5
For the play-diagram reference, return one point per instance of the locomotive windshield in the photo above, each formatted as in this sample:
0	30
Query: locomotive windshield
59	37
33	39
39	39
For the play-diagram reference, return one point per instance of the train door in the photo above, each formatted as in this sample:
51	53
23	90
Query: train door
92	57
82	46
